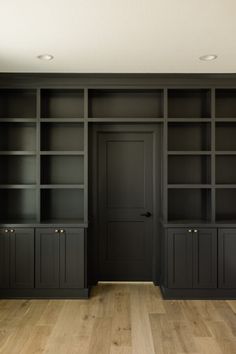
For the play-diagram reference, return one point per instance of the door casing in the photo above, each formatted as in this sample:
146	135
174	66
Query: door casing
93	231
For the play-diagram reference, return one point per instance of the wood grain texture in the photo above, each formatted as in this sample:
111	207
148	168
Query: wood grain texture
118	319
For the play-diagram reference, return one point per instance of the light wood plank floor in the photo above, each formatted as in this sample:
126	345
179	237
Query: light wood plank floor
118	319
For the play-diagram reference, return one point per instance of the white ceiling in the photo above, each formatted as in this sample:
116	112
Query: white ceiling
118	36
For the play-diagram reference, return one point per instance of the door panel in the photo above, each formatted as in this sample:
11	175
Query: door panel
72	258
227	258
125	160
205	258
4	259
22	258
125	191
47	258
121	237
180	258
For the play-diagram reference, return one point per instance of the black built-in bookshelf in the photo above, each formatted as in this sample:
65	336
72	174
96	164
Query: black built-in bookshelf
44	152
42	156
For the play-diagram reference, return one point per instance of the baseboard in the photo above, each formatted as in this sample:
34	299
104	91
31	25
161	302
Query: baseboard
198	294
44	293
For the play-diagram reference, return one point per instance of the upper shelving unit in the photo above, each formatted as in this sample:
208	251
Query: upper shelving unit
18	205
189	137
189	160
17	137
42	156
187	169
225	103
189	205
17	103
125	103
17	170
225	136
62	169
43	152
62	103
189	103
62	137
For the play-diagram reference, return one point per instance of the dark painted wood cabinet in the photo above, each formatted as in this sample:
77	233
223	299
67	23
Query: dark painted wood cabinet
180	258
47	258
204	258
72	260
22	258
59	258
192	258
4	259
227	258
17	258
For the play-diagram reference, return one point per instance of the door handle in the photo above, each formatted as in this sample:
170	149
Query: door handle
147	214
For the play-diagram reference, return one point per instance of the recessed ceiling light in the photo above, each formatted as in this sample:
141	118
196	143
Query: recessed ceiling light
208	57
45	57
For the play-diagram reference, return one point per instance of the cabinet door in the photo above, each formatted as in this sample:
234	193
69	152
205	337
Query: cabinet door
180	258
4	259
72	258
47	258
22	258
227	258
205	258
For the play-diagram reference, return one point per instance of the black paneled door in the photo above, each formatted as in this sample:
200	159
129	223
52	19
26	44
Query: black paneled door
125	202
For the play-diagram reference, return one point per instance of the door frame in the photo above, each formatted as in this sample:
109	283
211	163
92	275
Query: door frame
93	231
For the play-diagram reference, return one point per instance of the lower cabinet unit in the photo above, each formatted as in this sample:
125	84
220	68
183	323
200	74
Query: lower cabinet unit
204	258
43	262
16	258
227	258
180	258
192	258
60	258
199	263
4	259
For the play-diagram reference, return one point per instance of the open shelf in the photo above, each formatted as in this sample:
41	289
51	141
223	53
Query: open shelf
17	169
226	169
62	137
17	103
18	205
189	103
225	136
124	103
189	169
189	204
189	136
62	204
17	136
62	103
62	169
225	204
226	103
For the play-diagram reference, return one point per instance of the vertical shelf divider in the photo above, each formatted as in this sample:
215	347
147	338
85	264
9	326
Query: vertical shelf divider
165	156
85	155
213	156
38	162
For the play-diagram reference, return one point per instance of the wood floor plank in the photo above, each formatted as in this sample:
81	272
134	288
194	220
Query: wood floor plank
195	321
140	324
121	321
101	338
129	318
